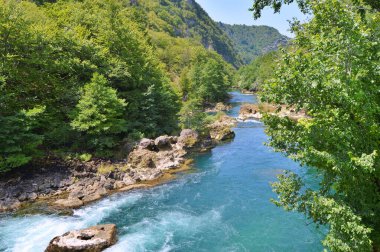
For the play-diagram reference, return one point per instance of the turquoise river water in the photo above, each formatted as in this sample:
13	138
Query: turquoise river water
222	205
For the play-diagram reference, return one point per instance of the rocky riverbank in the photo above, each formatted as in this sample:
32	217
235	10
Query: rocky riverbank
256	111
60	185
219	107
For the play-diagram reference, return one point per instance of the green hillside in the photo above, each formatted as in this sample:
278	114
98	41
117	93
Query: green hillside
187	19
90	77
252	41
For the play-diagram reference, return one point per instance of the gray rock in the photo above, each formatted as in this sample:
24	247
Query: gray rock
147	144
118	185
70	202
93	239
188	138
128	180
9	204
163	142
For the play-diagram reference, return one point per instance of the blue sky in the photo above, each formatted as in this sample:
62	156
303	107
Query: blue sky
236	12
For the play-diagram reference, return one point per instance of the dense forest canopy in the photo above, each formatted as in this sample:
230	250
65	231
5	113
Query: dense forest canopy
187	19
254	41
304	5
86	76
251	77
331	71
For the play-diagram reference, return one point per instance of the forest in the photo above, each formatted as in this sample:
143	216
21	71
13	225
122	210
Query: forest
81	80
83	77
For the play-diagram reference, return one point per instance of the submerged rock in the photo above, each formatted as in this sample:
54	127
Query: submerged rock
93	239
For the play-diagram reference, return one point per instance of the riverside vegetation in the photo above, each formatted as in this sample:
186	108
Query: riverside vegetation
82	78
85	80
331	70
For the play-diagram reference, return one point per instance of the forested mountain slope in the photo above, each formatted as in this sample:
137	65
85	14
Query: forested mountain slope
187	19
84	77
253	41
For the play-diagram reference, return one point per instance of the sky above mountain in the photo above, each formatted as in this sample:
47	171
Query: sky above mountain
236	12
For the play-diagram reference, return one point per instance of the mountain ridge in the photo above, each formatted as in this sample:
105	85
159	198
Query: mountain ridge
252	41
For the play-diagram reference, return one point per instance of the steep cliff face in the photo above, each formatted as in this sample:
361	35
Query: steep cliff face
187	19
253	41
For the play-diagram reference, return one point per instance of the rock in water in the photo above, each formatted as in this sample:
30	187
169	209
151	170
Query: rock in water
93	239
221	129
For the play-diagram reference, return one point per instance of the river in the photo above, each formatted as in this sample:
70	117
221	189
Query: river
221	205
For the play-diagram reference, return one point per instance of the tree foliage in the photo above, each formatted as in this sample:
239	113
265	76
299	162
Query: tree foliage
252	77
49	53
187	19
304	5
332	72
253	41
82	60
19	140
99	113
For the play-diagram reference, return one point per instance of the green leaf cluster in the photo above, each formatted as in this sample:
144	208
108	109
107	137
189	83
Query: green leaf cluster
332	72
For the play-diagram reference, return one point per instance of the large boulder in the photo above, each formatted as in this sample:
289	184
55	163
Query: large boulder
147	144
221	133
93	239
142	158
188	138
163	142
221	129
220	106
167	160
249	111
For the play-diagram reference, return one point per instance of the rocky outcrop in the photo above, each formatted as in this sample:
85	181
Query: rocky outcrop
249	111
188	139
73	184
219	107
93	239
254	111
33	184
221	129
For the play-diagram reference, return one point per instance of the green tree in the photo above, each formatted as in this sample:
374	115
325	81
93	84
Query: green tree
304	5
19	140
99	113
332	72
251	77
192	116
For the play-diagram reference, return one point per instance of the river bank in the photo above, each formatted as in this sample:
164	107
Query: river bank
57	186
221	204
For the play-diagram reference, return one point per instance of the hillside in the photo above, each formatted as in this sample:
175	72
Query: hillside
187	19
252	41
90	77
